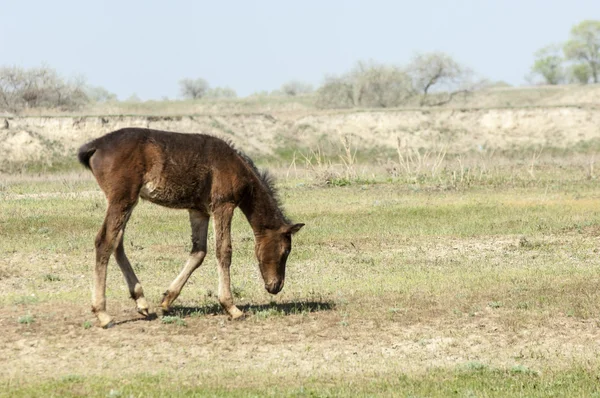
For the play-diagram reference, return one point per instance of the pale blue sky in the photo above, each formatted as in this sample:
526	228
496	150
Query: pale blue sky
146	47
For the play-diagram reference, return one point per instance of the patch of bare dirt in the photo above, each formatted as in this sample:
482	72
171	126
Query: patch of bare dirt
56	344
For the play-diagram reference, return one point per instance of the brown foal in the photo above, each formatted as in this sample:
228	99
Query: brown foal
200	173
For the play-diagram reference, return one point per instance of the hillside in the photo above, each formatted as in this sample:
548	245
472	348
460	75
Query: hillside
560	117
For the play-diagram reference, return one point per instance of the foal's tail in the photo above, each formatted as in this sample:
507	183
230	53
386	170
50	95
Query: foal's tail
85	153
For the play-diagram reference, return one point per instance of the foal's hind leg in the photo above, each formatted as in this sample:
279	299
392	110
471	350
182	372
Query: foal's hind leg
199	224
108	237
133	283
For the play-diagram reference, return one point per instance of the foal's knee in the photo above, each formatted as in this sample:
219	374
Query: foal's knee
100	239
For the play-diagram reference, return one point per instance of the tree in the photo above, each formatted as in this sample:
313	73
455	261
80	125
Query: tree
296	87
549	64
438	71
580	73
584	46
193	88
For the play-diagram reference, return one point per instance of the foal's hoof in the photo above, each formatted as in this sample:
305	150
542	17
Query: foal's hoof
240	317
143	312
105	320
167	300
109	325
237	315
165	308
142	306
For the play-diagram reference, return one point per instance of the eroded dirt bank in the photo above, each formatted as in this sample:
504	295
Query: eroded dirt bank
32	138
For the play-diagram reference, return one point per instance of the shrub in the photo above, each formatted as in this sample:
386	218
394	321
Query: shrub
39	88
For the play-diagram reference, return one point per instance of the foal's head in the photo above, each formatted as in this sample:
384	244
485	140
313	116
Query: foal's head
272	250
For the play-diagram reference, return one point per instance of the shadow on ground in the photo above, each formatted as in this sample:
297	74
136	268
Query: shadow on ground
289	308
149	318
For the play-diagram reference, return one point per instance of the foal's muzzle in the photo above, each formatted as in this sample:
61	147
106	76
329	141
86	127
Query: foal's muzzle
274	287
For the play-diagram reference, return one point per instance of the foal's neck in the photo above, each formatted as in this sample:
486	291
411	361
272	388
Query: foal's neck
261	209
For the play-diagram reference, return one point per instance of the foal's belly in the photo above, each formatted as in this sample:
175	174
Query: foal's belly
175	196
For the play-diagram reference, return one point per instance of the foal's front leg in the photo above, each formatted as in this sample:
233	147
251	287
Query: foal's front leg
135	288
199	224
222	225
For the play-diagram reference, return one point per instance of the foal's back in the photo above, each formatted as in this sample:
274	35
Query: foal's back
171	169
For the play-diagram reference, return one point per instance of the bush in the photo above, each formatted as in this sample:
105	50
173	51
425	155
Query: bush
375	85
380	86
99	94
221	92
369	84
296	87
39	88
193	88
336	92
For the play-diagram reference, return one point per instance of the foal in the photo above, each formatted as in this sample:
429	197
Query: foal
200	173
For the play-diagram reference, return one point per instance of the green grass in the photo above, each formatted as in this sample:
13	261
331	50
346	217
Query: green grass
26	319
173	320
468	380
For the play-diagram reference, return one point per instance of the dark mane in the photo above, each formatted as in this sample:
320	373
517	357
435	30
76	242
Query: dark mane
267	180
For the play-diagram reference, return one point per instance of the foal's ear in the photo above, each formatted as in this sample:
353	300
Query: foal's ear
292	229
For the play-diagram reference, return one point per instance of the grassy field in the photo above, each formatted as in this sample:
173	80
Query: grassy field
472	281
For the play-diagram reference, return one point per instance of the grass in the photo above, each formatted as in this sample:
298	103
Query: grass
520	229
173	320
26	319
398	286
469	380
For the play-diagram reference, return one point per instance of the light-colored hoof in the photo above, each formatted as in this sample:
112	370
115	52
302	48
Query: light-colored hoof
236	315
143	312
105	320
166	302
142	306
109	325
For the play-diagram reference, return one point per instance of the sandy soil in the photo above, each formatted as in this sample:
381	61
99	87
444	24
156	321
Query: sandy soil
293	345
